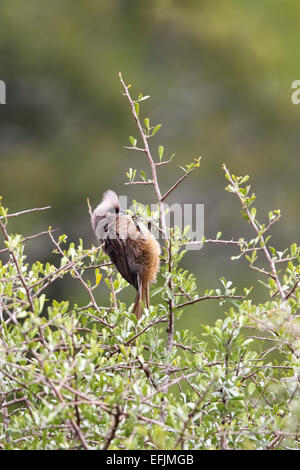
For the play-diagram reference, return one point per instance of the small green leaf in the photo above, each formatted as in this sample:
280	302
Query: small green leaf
182	167
132	140
137	108
156	128
236	257
160	152
251	388
143	175
294	249
253	257
42	299
244	179
143	98
63	261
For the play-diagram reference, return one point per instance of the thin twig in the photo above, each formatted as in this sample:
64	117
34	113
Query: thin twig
177	183
292	289
141	182
30	237
210	297
26	211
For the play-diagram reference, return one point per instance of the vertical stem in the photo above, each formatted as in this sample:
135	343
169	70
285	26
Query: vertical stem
160	198
170	329
150	159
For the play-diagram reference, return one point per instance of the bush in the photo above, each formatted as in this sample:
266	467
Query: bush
93	377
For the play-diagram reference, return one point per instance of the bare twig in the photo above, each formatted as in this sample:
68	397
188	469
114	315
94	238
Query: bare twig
140	182
292	289
27	211
177	183
210	297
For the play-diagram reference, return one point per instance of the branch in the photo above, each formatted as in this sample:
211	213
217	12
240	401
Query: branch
293	289
262	271
138	149
177	183
140	182
27	290
149	156
116	420
210	297
164	162
180	439
16	214
30	237
82	282
259	234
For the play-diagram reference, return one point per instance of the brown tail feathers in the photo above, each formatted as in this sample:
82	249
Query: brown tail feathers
142	297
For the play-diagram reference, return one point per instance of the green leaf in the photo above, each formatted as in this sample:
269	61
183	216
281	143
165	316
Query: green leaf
156	128
147	123
132	140
160	152
42	299
137	108
143	98
294	249
236	257
244	179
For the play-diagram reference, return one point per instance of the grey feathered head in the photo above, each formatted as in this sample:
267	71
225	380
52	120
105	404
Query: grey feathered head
109	204
109	201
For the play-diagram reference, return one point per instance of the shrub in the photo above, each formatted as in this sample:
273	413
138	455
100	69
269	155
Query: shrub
93	377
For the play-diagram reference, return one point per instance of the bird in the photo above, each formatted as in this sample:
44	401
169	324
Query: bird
129	244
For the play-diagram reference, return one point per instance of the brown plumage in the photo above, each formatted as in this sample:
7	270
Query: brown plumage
130	246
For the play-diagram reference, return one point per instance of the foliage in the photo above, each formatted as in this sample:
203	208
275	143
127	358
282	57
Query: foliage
93	377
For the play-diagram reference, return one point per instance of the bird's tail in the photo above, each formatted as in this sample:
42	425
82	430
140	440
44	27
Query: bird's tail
142	297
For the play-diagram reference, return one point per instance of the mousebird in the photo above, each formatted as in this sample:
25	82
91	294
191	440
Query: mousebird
130	246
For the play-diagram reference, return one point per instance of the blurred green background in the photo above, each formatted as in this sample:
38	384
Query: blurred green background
219	75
